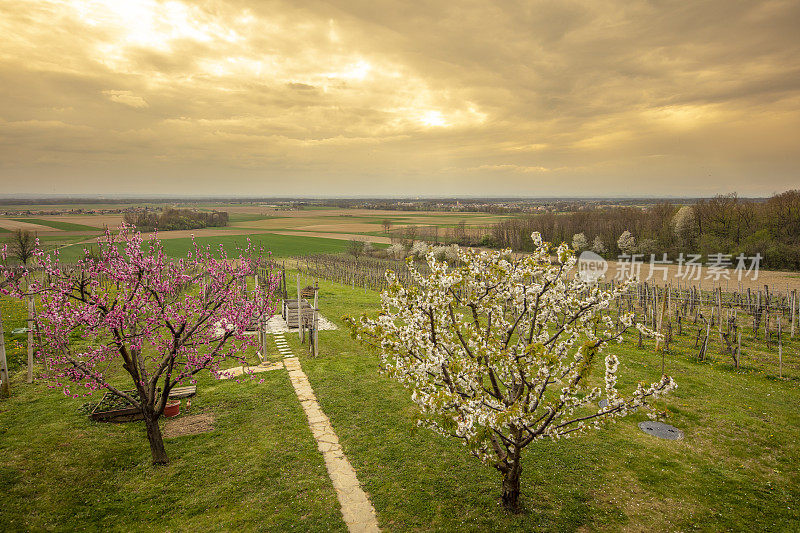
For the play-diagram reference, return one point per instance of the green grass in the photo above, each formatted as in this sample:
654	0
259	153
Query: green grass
736	468
259	469
58	224
14	314
279	245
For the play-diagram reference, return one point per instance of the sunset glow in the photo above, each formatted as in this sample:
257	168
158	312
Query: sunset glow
282	97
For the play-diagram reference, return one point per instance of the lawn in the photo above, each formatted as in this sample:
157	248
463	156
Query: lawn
736	468
258	469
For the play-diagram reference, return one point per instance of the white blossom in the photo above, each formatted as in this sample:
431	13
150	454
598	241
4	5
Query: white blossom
498	351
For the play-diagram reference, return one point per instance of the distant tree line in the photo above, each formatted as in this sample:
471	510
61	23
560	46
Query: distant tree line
724	224
176	219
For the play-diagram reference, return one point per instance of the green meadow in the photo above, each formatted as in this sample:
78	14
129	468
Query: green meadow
277	245
259	469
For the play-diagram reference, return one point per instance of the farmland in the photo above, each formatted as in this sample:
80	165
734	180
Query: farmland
287	232
295	231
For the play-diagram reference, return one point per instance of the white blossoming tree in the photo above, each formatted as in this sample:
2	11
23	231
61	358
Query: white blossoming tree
684	224
626	242
419	249
500	351
396	251
598	246
579	242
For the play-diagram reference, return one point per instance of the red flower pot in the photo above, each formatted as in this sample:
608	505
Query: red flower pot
172	408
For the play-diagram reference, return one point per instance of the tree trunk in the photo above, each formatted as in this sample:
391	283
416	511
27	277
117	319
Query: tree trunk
156	441
511	487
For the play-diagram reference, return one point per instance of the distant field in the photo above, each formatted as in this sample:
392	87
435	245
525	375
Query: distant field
323	222
57	224
10	224
93	221
278	245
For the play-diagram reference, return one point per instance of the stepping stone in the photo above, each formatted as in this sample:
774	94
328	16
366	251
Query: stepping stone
661	430
357	510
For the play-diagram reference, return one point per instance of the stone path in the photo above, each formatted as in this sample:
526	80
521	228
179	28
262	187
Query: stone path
237	371
357	510
277	324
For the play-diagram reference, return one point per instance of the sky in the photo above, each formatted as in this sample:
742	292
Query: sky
399	98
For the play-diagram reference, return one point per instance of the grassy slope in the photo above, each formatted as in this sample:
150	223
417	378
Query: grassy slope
258	470
736	468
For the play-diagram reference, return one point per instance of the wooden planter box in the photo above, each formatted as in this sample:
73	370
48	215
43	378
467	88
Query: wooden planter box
130	414
126	414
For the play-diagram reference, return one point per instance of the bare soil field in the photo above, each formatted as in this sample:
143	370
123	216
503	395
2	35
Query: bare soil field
337	236
346	228
185	234
97	221
288	222
15	225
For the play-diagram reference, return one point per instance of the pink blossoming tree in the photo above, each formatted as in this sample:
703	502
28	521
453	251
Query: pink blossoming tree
163	321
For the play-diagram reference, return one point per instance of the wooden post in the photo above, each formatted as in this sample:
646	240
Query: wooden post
793	305
660	324
283	279
719	312
4	386
30	339
704	349
315	340
780	350
738	345
299	314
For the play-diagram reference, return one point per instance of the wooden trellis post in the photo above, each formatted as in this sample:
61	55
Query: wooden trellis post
4	386
738	346
299	310
315	340
780	351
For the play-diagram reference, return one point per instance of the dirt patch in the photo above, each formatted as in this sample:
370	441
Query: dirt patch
187	233
343	228
337	236
189	425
